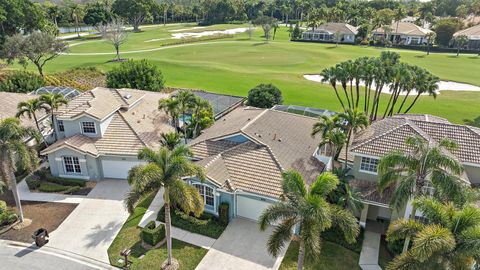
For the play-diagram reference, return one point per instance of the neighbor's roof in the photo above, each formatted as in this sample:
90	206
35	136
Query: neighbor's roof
135	122
472	32
333	28
9	104
277	141
404	28
391	133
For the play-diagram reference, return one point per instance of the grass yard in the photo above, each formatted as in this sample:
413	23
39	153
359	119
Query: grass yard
332	255
235	65
129	237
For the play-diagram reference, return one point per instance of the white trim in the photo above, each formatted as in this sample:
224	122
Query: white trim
58	159
88	133
471	164
241	192
204	196
365	155
73	166
85	177
367	172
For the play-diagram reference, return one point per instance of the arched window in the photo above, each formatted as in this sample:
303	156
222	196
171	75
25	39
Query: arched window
207	194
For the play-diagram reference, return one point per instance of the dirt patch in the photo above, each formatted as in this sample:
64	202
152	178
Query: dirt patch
46	215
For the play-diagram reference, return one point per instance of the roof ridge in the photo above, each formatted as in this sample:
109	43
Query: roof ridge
294	114
130	127
253	120
450	124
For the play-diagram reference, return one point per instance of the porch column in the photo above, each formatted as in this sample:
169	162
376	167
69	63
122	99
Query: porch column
363	215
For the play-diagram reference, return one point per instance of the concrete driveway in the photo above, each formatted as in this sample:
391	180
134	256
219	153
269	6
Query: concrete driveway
91	227
242	246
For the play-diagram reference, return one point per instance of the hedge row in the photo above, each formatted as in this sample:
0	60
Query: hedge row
152	234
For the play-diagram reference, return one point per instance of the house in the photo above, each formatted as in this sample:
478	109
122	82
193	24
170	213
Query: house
331	32
9	109
244	154
405	33
473	34
389	134
101	131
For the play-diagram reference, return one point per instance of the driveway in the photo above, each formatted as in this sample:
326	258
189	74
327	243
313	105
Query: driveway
91	227
242	246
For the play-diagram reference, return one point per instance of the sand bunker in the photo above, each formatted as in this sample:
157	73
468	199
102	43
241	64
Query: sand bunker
442	85
208	33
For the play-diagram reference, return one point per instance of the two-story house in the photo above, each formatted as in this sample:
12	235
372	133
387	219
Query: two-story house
389	134
101	131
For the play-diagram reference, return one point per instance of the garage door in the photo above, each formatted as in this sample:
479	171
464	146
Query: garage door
250	208
117	169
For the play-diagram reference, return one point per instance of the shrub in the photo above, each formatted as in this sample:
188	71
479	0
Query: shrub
8	217
336	236
52	188
3	207
152	234
42	173
223	213
264	96
206	224
65	181
136	74
21	82
33	183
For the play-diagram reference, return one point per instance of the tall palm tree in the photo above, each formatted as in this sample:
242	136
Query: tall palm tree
307	208
400	13
328	75
199	122
413	172
330	129
450	240
186	101
170	140
30	108
430	39
165	169
427	85
356	120
53	101
14	152
170	107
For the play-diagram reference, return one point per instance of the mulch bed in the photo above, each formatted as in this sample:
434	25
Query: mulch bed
46	215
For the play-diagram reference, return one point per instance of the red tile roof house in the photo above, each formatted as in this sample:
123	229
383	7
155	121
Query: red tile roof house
389	134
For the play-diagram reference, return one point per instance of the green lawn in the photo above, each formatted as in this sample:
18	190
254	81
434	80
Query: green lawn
333	256
233	66
129	237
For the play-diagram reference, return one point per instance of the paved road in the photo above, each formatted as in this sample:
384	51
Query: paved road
28	259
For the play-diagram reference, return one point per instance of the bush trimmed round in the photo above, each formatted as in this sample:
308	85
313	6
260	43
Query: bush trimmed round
141	74
264	96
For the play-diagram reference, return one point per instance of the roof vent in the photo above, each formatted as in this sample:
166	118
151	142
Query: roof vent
127	96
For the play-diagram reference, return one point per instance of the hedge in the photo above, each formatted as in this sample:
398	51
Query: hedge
65	181
33	183
206	224
51	188
152	234
7	216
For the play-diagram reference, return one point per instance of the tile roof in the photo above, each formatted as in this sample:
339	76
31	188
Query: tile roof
404	28
9	107
369	191
472	32
333	27
136	121
78	142
277	141
390	134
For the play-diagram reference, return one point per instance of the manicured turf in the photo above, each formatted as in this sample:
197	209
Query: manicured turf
333	256
187	255
235	65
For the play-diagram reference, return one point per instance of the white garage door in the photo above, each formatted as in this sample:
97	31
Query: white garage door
117	169
250	208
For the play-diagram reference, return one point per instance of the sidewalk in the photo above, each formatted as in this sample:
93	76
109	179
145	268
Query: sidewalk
27	195
370	247
182	235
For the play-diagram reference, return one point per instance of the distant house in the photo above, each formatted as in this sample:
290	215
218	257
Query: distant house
405	33
473	34
329	32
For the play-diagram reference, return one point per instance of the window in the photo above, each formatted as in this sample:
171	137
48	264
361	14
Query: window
72	165
61	127
88	127
206	193
369	165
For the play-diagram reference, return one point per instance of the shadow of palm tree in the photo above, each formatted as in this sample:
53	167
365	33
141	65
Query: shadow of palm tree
103	234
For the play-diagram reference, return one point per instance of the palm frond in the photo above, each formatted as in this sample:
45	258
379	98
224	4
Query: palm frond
277	212
433	210
324	184
401	228
469	241
280	236
346	222
293	184
431	240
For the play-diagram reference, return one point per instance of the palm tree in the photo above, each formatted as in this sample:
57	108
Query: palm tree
170	107
460	41
430	39
54	101
14	152
165	169
450	240
328	74
400	13
355	120
186	101
429	85
344	195
198	121
30	108
170	140
330	128
413	172
307	208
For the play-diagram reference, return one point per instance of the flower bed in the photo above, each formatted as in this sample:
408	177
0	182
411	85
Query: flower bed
206	224
43	181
